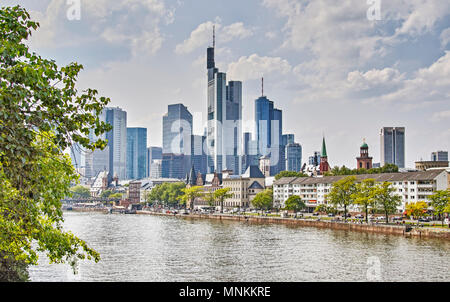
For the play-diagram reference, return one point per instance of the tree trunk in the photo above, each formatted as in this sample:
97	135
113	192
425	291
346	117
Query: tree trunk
367	214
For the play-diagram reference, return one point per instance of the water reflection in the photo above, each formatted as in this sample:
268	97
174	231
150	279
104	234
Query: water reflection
153	248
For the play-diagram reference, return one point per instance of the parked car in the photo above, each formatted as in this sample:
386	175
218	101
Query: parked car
379	218
331	215
316	214
424	219
359	216
397	218
348	215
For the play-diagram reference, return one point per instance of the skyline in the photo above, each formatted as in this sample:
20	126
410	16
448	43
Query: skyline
338	71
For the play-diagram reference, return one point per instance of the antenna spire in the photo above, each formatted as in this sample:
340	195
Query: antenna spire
214	36
262	86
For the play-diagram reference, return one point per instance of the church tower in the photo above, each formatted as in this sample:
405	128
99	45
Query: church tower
324	166
364	161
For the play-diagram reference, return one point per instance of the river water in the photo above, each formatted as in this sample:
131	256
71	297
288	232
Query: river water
155	248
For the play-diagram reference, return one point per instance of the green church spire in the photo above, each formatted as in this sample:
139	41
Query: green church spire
324	148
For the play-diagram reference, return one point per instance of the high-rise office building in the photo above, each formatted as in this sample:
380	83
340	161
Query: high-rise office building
392	142
98	160
293	157
288	139
269	133
173	166
224	113
156	169
439	156
177	140
136	153
198	153
117	141
153	153
315	159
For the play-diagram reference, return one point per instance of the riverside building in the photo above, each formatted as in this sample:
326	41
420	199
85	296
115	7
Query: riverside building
411	186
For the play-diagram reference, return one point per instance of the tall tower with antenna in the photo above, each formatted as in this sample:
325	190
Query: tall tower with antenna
224	114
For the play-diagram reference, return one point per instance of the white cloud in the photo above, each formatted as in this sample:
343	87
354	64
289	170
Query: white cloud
130	23
254	66
200	36
442	115
374	78
445	37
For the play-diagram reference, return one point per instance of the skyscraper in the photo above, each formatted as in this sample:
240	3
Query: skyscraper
392	142
288	139
439	156
136	153
269	133
153	153
224	112
293	157
117	141
198	153
177	141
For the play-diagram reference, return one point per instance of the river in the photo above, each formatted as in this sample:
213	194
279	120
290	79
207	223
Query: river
155	248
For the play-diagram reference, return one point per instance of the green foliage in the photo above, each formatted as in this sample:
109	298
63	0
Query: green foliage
263	200
106	193
116	195
342	193
189	195
387	168
385	199
167	193
289	174
416	209
363	195
440	201
222	194
42	114
210	198
80	191
294	203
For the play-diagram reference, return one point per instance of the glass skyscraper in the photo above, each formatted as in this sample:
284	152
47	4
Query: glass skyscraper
269	133
136	153
392	142
117	141
293	157
177	141
224	111
153	153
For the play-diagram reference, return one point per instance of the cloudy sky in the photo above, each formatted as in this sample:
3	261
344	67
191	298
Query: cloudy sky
325	64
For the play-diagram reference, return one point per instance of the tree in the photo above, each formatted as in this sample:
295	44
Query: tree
116	195
294	203
210	198
416	209
42	114
440	201
80	192
106	194
289	174
263	200
190	194
222	194
363	195
342	193
385	199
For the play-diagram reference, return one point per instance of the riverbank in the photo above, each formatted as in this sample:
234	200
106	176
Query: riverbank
368	228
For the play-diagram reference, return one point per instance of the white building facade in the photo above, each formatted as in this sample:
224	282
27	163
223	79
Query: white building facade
411	186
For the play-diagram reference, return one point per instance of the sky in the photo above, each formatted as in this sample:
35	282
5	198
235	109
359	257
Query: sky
335	68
